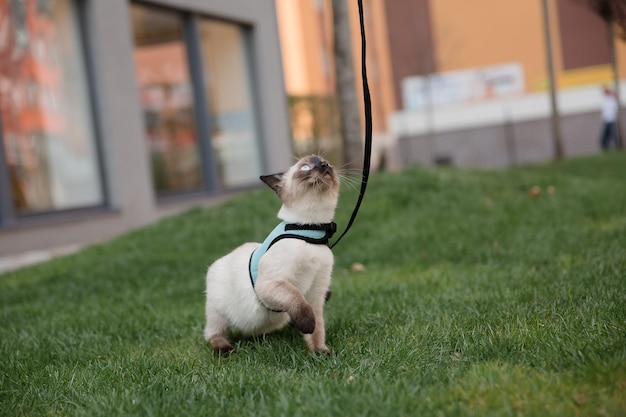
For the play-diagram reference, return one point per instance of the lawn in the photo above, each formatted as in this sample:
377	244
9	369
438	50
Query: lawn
476	299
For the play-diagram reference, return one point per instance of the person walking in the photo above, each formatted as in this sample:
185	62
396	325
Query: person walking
609	117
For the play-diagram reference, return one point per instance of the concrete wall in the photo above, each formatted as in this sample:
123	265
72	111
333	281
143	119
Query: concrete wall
502	145
502	132
120	121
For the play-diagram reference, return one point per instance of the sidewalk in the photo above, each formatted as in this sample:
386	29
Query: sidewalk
19	260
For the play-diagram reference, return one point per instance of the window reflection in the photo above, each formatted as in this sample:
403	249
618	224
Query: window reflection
45	110
167	99
228	89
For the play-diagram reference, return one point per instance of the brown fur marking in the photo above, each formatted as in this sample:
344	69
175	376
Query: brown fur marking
220	345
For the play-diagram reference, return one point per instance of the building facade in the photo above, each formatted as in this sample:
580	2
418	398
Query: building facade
487	104
114	113
461	82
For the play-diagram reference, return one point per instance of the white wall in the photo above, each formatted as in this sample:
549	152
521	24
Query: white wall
499	111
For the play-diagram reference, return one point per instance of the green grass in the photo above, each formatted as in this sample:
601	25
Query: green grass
476	300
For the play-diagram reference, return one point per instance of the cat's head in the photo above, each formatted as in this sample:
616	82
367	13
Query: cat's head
309	190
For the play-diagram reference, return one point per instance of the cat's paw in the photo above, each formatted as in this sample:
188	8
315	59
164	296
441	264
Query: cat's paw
320	349
221	346
303	319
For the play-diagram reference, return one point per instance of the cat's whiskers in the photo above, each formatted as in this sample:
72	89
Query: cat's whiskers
348	173
351	181
347	166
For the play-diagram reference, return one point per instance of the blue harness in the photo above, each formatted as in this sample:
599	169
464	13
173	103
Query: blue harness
317	234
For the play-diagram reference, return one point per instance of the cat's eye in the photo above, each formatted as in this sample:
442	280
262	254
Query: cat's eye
305	168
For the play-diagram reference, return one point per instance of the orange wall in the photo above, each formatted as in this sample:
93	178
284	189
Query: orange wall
301	37
489	32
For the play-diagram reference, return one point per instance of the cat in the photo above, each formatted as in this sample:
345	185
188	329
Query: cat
294	275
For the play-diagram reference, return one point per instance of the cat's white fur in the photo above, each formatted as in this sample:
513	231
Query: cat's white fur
294	276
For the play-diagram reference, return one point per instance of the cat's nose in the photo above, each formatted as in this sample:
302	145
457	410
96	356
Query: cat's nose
324	165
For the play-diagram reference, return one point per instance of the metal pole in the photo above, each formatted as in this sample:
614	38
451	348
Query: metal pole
615	68
556	124
203	115
7	213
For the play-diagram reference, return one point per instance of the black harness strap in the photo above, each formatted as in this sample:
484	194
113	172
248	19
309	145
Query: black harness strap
329	228
367	154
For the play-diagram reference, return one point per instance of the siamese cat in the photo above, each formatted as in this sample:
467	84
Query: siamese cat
259	288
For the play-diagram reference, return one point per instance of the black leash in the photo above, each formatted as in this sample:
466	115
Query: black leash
367	154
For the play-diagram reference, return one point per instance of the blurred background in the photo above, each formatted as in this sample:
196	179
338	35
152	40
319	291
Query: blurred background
115	113
461	83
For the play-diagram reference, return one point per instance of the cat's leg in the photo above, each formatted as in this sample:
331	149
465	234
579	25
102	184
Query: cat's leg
279	294
216	331
317	340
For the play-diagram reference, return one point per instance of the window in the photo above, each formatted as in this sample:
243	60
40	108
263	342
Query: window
161	62
228	90
194	82
49	145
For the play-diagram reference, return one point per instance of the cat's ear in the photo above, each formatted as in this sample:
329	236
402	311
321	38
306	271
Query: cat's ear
274	181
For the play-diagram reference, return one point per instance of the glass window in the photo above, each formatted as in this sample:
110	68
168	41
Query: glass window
167	99
48	133
228	90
